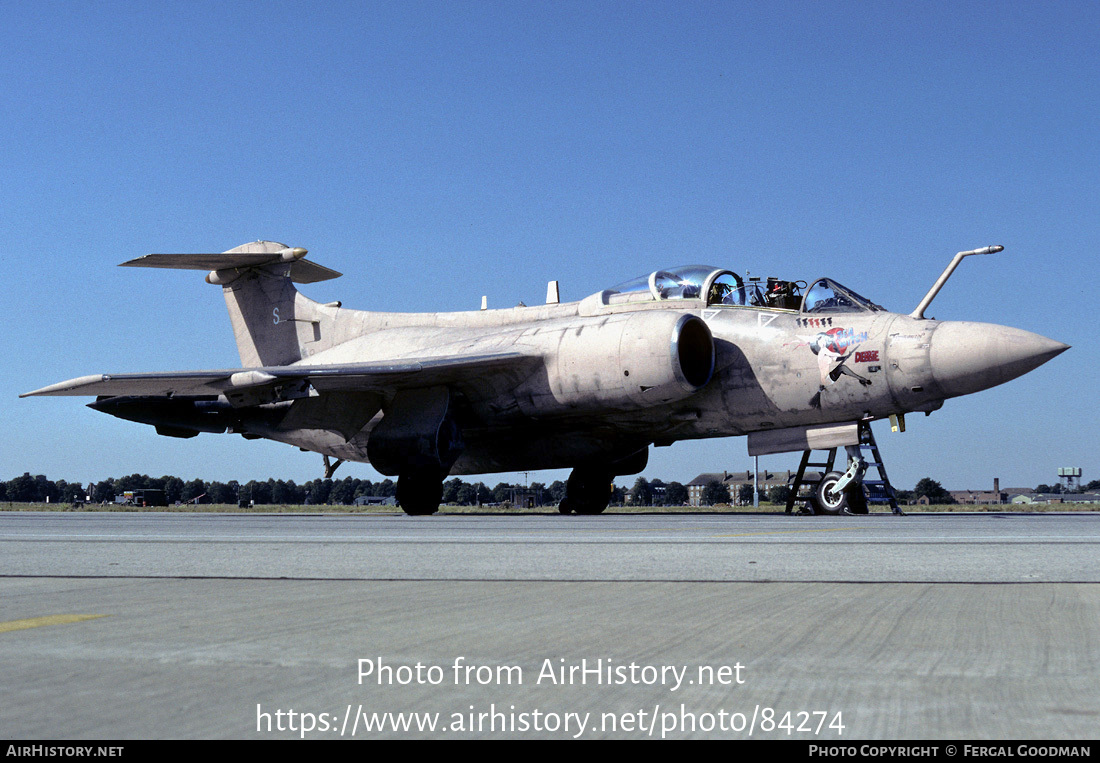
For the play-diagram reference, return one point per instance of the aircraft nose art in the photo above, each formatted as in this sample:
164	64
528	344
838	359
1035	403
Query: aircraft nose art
966	357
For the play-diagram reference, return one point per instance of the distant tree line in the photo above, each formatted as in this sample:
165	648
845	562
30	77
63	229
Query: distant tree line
40	489
927	488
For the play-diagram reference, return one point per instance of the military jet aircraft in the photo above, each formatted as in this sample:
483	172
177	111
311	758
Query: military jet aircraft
680	354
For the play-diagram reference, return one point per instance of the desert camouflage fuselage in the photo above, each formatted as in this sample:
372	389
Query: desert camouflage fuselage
688	353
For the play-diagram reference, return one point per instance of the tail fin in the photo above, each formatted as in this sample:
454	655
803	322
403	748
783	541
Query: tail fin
273	323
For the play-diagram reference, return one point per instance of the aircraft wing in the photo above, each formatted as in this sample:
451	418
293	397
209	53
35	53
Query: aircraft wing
371	376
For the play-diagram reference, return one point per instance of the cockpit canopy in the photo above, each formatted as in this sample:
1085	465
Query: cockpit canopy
724	287
686	282
720	287
827	296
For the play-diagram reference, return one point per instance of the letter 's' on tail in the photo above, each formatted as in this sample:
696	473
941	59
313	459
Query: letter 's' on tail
273	323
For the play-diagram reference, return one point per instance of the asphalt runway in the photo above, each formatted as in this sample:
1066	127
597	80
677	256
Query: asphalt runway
953	626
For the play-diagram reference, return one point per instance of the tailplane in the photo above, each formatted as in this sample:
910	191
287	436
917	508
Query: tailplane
274	324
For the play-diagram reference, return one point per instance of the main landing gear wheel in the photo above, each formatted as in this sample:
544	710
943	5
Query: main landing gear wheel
586	492
419	492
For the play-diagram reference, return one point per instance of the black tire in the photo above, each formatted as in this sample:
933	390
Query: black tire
419	494
857	500
825	500
586	492
593	507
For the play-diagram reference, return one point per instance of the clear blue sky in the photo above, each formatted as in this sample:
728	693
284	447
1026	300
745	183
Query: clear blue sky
435	152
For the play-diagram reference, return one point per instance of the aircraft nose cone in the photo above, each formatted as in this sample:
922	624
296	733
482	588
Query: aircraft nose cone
967	357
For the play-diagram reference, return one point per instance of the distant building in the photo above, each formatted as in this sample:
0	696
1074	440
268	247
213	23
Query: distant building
1034	497
730	481
984	497
769	480
526	499
733	481
1018	495
978	496
375	500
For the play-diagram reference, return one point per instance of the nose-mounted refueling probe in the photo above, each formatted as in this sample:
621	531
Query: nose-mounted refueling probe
924	303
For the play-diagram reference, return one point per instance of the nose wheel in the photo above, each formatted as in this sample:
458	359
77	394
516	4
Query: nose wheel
831	498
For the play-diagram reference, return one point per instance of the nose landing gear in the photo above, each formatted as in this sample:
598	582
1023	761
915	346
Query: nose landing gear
841	493
845	492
